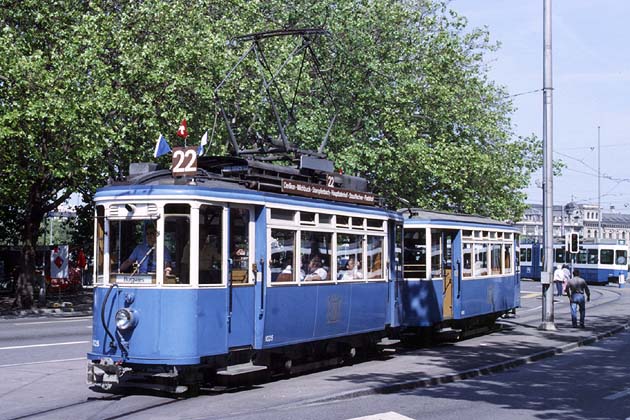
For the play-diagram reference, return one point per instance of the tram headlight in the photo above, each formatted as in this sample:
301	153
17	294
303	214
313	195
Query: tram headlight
126	319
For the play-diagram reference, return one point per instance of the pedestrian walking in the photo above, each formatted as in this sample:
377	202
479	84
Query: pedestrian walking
567	276
576	289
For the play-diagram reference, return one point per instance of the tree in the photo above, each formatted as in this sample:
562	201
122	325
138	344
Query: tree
86	87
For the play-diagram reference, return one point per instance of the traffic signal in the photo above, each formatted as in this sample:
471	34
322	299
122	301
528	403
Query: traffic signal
574	243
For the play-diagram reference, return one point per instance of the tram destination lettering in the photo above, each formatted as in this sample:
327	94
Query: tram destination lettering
326	192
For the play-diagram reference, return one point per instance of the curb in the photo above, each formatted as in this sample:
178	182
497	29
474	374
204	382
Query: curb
470	373
44	312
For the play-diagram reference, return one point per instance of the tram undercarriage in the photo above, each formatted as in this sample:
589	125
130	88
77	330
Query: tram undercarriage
241	367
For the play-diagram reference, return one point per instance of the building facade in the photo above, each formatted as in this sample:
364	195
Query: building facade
583	219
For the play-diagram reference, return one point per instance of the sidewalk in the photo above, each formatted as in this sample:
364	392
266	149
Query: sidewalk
65	304
517	343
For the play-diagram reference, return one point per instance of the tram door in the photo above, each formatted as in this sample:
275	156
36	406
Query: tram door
442	266
240	243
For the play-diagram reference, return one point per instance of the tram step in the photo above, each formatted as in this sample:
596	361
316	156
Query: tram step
386	342
449	330
240	369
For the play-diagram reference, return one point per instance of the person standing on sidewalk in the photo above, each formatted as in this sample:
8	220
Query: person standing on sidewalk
576	288
558	280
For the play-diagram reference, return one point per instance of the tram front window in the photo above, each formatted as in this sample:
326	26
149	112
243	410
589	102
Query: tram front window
132	251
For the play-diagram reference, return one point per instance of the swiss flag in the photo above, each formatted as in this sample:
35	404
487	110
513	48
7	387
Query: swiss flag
182	131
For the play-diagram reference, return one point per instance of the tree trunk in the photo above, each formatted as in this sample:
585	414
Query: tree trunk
26	279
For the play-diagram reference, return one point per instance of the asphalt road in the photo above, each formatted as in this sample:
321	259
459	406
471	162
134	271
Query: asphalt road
43	375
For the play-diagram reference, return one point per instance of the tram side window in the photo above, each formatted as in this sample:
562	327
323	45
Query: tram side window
100	244
481	259
495	258
239	245
398	252
592	256
507	258
559	255
375	257
282	264
526	255
414	257
467	248
211	245
436	254
582	257
176	241
607	256
349	257
622	257
315	253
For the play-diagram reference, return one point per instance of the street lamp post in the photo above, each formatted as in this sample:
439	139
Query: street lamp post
547	272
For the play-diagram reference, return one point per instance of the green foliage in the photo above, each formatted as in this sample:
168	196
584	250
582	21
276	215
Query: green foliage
86	87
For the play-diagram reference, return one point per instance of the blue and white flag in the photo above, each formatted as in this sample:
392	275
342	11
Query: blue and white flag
162	147
204	141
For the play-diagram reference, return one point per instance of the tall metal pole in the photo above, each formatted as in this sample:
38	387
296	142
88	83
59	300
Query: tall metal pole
547	272
599	196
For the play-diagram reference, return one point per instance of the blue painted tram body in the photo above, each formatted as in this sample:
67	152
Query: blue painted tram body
459	270
598	263
248	298
246	293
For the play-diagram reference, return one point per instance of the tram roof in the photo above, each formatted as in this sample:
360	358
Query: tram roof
418	216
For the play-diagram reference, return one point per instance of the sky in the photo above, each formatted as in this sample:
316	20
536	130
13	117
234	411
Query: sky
591	89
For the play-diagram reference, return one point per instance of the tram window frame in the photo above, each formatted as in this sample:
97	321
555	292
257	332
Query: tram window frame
239	245
357	222
175	241
357	273
481	266
375	224
607	256
287	263
436	260
123	237
99	246
621	253
283	215
307	255
375	262
496	254
506	251
593	256
308	218
212	217
559	255
467	258
325	219
582	257
526	255
416	238
342	221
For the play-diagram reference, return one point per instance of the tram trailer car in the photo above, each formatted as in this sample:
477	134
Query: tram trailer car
459	271
246	292
598	263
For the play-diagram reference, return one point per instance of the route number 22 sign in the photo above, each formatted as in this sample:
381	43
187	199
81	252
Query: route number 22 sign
184	161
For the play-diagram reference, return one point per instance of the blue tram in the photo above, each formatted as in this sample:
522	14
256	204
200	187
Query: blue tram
267	278
459	271
599	263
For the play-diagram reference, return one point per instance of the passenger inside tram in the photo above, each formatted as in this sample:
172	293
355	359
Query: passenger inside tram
142	258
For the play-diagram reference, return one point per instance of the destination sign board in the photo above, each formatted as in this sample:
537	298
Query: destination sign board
327	192
135	279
